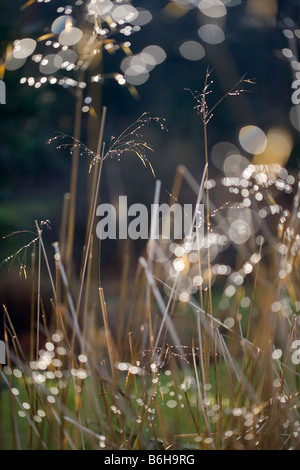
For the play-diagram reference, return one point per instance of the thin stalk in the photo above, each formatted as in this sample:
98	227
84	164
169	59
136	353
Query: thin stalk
107	332
87	291
38	295
207	219
123	296
64	224
93	205
74	178
151	251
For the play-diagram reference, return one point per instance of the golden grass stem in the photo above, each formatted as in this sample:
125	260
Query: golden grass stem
93	205
64	225
74	177
123	295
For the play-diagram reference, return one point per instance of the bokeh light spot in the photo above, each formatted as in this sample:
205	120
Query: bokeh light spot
253	139
12	63
156	52
211	34
24	48
124	13
239	231
192	50
70	36
60	23
213	9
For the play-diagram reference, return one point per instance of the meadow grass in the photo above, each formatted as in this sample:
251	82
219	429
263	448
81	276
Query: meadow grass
171	367
163	373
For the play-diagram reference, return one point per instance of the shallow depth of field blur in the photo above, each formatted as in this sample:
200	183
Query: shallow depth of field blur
136	344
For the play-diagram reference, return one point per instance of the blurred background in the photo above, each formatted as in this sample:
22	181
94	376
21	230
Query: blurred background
259	38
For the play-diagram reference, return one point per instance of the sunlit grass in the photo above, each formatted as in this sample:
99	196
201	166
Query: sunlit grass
192	352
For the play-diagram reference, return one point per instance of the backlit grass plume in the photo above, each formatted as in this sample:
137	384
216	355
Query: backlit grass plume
131	140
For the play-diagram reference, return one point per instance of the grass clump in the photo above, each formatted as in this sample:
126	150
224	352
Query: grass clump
200	350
